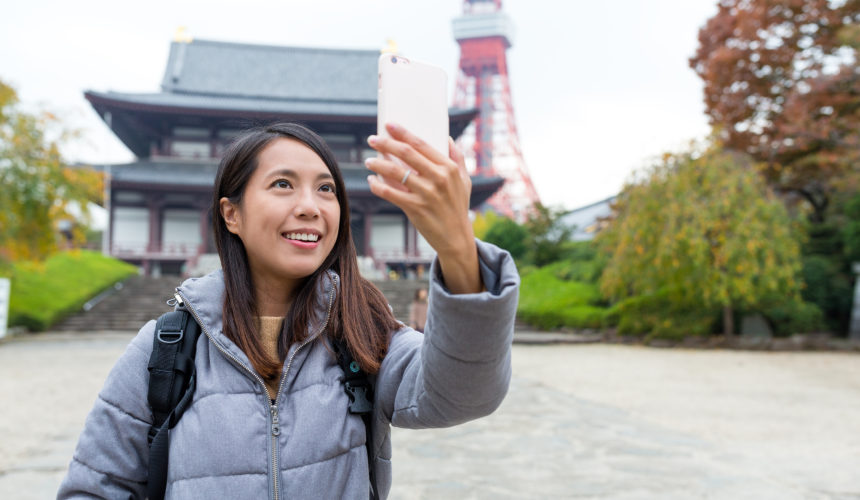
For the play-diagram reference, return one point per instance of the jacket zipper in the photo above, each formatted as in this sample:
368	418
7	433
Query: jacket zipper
273	408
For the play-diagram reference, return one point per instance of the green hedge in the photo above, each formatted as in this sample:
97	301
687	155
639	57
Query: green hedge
829	288
660	315
788	317
42	293
586	271
549	302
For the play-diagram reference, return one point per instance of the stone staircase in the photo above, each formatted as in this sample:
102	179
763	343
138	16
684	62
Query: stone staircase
139	300
144	298
400	294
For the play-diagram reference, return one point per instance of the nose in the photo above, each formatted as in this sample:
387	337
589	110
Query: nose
307	205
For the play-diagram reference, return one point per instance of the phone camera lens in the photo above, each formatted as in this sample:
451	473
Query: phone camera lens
393	59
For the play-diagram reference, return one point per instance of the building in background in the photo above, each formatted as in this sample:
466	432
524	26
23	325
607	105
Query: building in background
158	205
588	220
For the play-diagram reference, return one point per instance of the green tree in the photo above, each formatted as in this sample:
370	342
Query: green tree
704	232
506	233
851	231
483	221
548	235
38	188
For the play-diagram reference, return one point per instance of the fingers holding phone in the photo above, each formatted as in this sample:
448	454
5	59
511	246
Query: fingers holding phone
435	197
427	180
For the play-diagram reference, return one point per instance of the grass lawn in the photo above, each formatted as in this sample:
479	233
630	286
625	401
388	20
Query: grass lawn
45	292
549	302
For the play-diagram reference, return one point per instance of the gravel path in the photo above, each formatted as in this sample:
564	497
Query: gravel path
580	421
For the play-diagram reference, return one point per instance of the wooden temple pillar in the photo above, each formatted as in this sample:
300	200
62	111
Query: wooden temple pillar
411	238
203	208
111	227
155	206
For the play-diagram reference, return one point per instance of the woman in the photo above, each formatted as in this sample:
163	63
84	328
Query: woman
269	416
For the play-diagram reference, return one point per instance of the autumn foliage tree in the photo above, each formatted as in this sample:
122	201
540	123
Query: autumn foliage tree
782	84
37	188
704	232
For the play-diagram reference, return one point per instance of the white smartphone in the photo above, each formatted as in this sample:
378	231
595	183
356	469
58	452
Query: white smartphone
413	95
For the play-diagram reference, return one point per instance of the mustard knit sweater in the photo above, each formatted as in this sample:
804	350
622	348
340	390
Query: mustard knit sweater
270	330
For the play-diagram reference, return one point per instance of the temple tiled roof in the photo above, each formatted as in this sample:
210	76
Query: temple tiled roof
223	84
248	105
226	69
229	77
164	173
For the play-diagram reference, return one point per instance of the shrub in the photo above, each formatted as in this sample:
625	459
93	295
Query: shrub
579	250
851	231
587	271
661	315
795	316
827	288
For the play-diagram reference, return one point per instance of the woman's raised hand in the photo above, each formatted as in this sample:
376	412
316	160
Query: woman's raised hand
433	190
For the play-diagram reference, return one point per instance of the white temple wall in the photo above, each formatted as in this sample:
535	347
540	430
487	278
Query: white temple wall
130	227
388	232
424	248
180	228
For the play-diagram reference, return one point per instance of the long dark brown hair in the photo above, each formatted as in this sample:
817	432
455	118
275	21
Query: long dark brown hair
360	313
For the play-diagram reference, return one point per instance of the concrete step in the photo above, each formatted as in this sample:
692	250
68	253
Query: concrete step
139	300
400	294
143	298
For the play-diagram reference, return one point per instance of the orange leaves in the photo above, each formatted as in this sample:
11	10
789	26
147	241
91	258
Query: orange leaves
781	85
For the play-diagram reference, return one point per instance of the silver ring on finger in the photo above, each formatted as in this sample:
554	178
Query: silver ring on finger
406	176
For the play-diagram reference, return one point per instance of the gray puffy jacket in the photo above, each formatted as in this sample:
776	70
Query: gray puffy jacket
225	445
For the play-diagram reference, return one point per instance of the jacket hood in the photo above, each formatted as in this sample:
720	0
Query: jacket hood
204	298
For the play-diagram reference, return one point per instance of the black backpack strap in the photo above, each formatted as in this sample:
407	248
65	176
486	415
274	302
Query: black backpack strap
357	385
171	388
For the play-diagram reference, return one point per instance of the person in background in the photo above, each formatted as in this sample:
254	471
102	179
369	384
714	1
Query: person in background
418	310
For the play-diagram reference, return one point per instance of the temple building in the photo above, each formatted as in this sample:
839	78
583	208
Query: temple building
159	204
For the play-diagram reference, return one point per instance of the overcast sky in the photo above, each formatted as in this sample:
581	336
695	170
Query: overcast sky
598	88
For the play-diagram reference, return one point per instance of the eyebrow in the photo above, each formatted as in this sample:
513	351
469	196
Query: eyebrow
287	172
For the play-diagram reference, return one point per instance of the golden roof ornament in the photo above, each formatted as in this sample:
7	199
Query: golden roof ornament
390	47
182	35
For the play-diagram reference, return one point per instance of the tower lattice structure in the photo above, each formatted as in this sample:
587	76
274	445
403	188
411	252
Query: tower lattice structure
491	143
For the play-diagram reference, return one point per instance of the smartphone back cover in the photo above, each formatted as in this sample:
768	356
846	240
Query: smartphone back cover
414	94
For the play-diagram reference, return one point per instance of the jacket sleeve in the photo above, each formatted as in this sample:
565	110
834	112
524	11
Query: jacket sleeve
112	454
460	368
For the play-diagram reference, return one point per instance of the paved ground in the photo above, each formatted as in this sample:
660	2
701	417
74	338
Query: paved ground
581	421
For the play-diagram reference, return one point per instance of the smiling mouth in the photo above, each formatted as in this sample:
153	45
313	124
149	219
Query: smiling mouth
301	236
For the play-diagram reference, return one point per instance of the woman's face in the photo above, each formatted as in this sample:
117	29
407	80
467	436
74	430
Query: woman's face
288	216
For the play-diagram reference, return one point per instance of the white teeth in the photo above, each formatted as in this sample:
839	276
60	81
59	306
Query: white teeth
303	236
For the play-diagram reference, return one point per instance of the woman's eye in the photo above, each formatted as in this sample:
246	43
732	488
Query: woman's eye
281	183
327	188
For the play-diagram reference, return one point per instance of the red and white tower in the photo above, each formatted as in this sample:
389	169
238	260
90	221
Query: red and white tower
491	142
